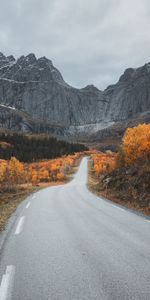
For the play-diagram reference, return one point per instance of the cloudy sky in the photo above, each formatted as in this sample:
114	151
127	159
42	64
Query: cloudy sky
89	41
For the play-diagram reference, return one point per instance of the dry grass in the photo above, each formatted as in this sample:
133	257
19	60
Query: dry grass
10	199
97	186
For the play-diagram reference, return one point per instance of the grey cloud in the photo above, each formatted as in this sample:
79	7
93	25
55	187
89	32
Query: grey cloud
89	41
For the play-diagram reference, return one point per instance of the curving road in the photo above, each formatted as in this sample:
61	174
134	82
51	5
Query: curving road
68	244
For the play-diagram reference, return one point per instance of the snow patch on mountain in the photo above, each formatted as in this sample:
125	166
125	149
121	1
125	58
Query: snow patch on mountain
89	128
7	106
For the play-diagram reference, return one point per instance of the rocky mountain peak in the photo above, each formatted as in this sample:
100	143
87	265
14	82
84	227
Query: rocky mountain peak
91	87
29	68
20	59
4	61
7	59
11	58
35	86
27	60
44	60
132	74
147	67
2	56
128	74
31	58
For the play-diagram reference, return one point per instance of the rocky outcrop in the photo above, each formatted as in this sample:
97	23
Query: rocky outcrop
36	88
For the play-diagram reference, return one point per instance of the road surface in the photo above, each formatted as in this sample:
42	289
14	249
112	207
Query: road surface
68	244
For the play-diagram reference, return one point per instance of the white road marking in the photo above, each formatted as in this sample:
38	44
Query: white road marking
28	204
34	197
148	221
7	283
119	207
20	225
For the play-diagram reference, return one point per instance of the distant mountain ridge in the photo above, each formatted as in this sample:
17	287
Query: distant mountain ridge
35	91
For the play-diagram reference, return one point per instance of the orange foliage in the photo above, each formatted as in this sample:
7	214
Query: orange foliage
34	177
136	143
55	169
44	175
12	172
3	171
16	171
104	162
135	146
60	176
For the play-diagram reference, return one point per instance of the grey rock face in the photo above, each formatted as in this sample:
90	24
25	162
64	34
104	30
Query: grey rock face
16	120
130	96
37	87
34	86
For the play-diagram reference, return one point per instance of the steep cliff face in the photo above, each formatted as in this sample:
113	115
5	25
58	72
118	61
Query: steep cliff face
35	87
130	96
16	120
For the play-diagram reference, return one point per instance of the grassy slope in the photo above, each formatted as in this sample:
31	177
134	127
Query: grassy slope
129	187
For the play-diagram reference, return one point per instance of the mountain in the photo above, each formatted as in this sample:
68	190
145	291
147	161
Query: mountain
35	98
130	96
36	87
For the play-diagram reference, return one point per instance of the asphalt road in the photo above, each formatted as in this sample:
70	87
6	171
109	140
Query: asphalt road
68	244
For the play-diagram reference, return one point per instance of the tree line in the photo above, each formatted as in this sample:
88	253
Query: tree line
30	148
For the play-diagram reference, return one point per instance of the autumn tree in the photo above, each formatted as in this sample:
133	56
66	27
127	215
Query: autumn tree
60	176
16	171
3	168
136	143
44	175
34	177
104	162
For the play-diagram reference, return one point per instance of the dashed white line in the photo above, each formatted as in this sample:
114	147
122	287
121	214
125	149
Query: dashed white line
28	204
7	283
20	226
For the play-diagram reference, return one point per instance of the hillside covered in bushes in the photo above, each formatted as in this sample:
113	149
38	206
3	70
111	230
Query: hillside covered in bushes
124	177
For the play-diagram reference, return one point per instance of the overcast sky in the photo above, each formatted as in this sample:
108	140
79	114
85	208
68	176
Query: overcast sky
90	42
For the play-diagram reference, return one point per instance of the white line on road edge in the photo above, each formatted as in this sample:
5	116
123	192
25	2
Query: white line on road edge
119	207
7	283
19	226
34	197
28	204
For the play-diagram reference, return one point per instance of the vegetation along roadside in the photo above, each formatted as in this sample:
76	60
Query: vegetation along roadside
18	179
124	177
